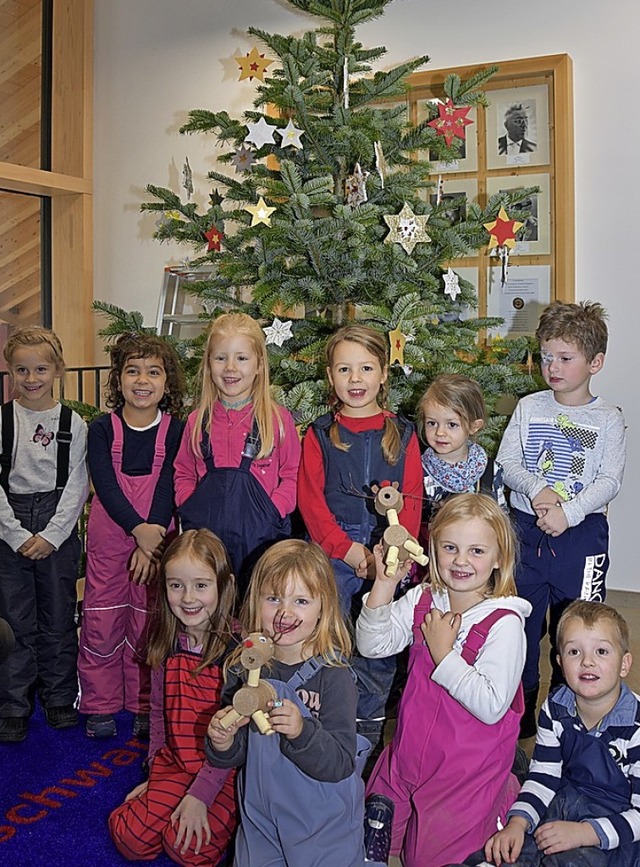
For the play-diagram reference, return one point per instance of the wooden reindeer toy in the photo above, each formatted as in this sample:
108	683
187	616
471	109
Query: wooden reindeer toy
252	699
398	543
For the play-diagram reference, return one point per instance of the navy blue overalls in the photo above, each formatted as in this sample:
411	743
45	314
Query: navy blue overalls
232	503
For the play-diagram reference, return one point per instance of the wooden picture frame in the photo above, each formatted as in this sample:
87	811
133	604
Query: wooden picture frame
540	89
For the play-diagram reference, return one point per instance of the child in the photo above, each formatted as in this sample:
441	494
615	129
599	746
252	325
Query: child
236	469
131	452
448	767
44	485
563	454
344	453
581	801
450	413
186	807
301	801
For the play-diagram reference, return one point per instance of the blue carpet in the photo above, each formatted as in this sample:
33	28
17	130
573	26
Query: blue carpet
57	789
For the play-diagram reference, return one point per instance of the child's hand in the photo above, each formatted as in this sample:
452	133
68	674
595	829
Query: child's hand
401	572
555	837
546	498
36	548
440	630
192	820
361	560
221	738
141	567
552	519
506	845
286	719
139	790
149	537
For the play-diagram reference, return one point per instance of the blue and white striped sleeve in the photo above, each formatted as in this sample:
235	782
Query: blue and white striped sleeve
621	828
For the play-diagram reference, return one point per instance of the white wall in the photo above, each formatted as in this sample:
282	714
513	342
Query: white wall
157	59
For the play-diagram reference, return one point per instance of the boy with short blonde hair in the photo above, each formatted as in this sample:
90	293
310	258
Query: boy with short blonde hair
580	803
563	456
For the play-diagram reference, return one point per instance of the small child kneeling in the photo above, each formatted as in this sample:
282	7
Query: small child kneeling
580	804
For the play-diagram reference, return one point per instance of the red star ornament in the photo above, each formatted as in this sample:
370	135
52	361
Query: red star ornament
214	236
502	231
253	65
451	121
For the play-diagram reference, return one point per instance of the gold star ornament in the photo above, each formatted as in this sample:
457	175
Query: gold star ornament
260	213
407	228
253	65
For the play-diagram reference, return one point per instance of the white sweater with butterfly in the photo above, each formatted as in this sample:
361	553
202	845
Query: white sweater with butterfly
33	470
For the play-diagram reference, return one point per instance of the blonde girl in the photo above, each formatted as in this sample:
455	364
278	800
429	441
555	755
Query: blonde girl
236	469
450	413
448	768
43	487
186	807
357	445
131	454
301	800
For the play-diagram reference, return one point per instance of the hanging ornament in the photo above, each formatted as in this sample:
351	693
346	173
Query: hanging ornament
215	198
260	213
278	332
451	121
356	187
345	82
439	190
252	65
502	232
243	159
381	164
397	342
291	135
260	133
407	369
214	236
407	228
452	284
187	178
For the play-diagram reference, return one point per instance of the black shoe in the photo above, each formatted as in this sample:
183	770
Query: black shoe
378	820
528	725
62	717
13	729
141	726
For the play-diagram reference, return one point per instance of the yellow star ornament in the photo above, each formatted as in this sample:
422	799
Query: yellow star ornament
260	213
397	341
253	65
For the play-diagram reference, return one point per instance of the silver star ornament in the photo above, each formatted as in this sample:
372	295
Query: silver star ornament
451	284
278	332
407	228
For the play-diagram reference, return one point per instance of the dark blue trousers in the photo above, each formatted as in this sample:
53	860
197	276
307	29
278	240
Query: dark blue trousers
554	571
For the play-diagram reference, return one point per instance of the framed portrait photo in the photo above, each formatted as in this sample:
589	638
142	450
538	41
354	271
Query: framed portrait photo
534	212
518	127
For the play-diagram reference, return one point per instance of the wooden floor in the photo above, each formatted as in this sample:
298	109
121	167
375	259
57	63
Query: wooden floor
628	604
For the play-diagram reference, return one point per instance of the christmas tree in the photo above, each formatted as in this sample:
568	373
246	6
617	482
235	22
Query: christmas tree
321	215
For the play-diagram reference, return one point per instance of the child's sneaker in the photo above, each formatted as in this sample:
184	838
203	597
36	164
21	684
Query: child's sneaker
378	818
101	725
141	726
61	717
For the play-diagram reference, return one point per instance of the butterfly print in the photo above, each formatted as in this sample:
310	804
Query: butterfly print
42	436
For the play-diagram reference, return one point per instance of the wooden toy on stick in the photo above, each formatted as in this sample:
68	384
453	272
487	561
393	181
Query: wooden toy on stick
398	543
252	699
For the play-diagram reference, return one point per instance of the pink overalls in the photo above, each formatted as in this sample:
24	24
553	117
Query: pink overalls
113	639
448	773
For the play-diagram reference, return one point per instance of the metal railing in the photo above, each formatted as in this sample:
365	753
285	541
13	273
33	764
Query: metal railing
84	384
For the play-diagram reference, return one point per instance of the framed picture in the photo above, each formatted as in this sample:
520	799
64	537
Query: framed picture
524	138
467	160
454	198
520	300
534	211
518	127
